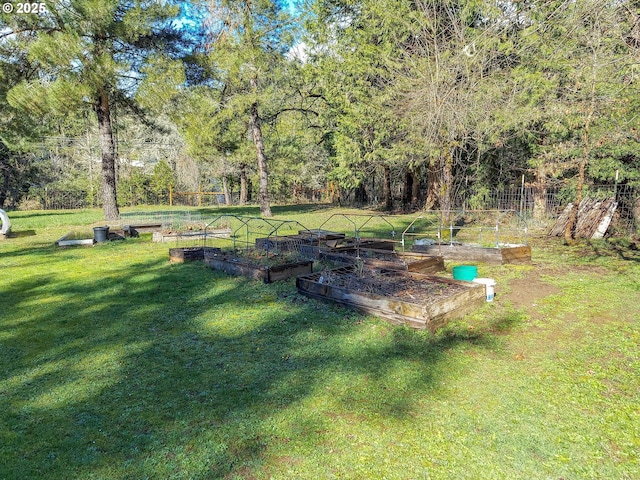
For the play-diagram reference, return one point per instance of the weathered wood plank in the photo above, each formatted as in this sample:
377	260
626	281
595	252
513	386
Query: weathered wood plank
412	262
283	272
233	266
594	218
65	241
190	254
520	254
70	243
322	235
368	243
500	255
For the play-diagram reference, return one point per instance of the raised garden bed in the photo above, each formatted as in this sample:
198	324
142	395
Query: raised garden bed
322	236
285	243
85	238
168	236
384	259
241	265
507	254
343	244
190	254
72	239
420	301
373	243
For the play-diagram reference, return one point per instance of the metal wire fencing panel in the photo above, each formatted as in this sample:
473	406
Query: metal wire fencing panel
63	200
260	240
540	204
490	228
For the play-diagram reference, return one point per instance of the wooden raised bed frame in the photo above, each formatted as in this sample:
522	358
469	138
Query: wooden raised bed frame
368	243
285	243
66	241
520	254
190	254
431	316
406	261
234	266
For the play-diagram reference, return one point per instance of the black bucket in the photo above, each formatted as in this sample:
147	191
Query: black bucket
100	234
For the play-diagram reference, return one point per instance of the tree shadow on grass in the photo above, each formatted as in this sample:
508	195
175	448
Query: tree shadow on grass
21	233
624	249
183	372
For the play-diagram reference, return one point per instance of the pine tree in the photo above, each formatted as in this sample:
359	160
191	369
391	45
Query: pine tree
248	40
89	54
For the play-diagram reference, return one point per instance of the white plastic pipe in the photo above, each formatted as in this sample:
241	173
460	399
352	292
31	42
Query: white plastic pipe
6	223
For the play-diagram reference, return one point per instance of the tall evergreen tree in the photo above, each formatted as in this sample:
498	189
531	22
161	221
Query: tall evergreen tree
18	131
89	54
248	41
357	50
585	56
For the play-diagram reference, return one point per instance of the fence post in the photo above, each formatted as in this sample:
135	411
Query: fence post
522	197
170	195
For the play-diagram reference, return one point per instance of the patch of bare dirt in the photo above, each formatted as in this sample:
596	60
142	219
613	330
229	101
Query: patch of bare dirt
526	293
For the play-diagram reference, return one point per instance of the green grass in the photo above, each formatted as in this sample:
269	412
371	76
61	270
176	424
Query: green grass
120	365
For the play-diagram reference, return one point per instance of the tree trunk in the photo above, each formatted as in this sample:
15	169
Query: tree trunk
334	194
108	150
415	189
386	188
432	187
243	184
263	177
540	195
296	192
570	227
407	188
6	177
225	190
361	197
446	186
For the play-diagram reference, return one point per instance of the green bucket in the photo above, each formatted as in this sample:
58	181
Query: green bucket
465	272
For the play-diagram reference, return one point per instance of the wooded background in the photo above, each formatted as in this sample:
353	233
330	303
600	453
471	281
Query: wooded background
396	104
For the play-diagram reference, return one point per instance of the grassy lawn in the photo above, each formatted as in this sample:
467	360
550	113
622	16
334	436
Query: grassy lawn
117	364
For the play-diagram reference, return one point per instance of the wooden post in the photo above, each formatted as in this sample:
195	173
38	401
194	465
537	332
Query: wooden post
200	195
170	195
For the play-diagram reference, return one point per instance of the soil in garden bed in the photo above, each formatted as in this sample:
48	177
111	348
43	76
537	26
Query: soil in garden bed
259	258
268	268
410	288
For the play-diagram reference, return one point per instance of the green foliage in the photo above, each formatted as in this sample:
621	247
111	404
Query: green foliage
161	179
81	51
585	102
133	189
160	89
84	54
